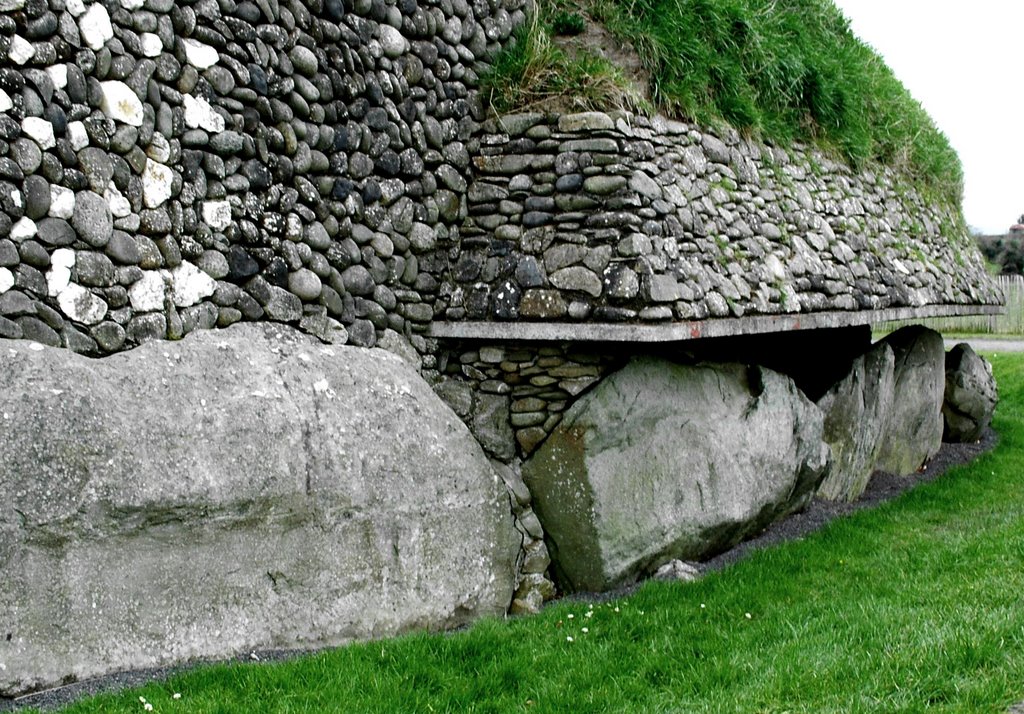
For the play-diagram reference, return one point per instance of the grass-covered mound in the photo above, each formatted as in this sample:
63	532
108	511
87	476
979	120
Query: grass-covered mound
782	70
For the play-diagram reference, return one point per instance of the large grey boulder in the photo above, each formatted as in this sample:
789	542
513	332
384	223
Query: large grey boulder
970	397
914	431
857	412
662	461
245	488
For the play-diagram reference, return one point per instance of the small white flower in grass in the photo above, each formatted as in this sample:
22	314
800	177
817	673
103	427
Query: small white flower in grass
568	638
142	700
148	707
616	609
702	606
590	613
570	616
747	615
585	630
177	695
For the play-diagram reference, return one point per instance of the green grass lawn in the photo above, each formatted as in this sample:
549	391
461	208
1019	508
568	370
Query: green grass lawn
914	606
783	70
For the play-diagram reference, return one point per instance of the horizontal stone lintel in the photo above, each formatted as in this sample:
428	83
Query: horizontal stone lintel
694	330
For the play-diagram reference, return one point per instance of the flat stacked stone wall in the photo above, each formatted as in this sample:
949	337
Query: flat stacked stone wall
618	218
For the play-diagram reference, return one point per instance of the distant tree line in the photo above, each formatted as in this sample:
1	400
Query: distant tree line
1006	251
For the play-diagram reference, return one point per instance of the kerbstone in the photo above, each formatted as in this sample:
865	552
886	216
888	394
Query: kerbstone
662	461
970	397
914	432
310	520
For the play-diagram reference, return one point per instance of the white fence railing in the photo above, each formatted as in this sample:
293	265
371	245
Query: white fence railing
1010	323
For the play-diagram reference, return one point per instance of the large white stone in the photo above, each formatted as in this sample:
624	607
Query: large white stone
95	26
5	101
147	293
120	206
58	277
77	135
392	41
217	214
62	202
58	74
6	280
81	305
157	181
40	131
21	50
120	103
190	285
200	115
150	44
24	229
199	55
241	489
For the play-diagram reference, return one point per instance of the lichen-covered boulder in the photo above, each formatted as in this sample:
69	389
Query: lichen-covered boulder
914	432
245	488
970	397
857	412
663	461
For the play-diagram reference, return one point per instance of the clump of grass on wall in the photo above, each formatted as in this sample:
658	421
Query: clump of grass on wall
782	70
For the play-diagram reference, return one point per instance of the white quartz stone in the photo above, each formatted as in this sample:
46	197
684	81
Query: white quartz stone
147	293
81	305
392	41
120	103
39	130
5	101
95	26
58	75
24	229
217	214
151	44
157	180
6	280
62	202
21	50
190	284
199	55
58	277
77	135
119	205
200	115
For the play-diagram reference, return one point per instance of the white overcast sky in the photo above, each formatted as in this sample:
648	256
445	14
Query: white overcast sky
964	61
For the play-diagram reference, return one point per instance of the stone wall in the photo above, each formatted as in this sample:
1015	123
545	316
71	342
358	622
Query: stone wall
167	166
609	218
172	166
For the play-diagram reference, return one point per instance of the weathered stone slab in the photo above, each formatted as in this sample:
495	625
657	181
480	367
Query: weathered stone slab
914	432
662	461
856	415
244	488
970	395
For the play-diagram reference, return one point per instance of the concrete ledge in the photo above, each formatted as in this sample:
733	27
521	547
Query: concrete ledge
698	329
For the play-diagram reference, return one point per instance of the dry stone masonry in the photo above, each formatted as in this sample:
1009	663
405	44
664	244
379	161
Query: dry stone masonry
613	217
167	168
172	166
